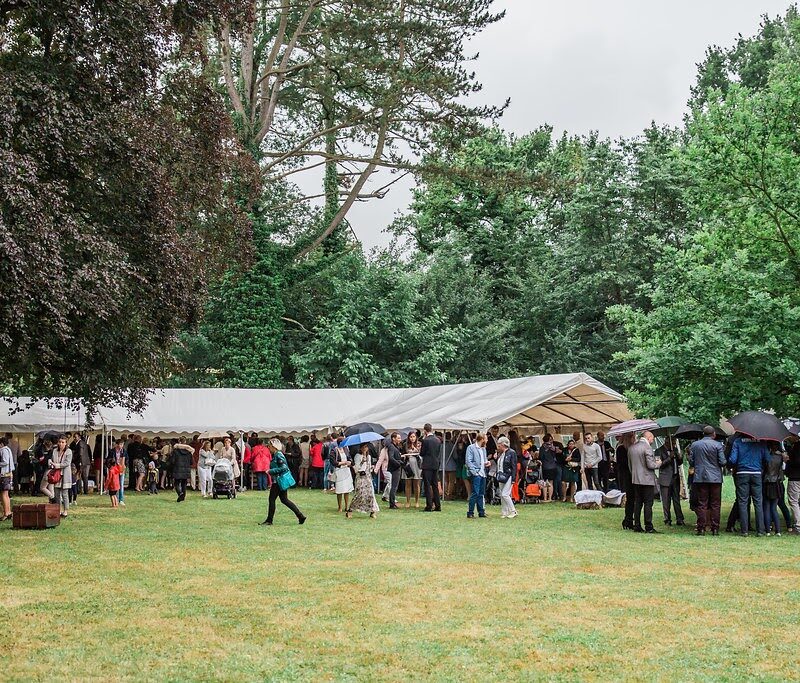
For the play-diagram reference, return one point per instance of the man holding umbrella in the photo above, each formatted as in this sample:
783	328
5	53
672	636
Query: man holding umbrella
643	465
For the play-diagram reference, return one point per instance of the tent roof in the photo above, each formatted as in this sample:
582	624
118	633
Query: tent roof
567	401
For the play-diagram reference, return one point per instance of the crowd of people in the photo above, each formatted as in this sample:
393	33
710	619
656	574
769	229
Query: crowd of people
425	465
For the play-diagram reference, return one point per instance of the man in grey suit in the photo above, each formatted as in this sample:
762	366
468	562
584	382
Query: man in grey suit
707	456
669	482
643	464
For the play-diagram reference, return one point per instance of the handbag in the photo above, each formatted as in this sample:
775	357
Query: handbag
286	481
54	476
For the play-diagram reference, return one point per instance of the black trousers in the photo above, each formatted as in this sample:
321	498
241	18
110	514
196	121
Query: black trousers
672	493
626	485
733	517
277	492
393	487
602	472
431	481
180	488
644	494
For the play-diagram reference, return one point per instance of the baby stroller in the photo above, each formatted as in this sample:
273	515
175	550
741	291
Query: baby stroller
224	484
532	492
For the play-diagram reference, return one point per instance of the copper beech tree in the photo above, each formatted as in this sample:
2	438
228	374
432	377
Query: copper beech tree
118	173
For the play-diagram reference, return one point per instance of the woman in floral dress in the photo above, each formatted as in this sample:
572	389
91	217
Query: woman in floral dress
364	496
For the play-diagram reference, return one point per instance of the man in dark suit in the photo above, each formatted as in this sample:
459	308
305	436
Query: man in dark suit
669	482
708	458
431	454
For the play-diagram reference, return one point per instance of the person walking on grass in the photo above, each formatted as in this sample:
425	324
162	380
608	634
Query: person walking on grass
750	457
643	466
278	469
476	464
364	495
506	471
431	455
181	467
707	457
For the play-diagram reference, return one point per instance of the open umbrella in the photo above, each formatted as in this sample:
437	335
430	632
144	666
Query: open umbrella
793	425
760	425
48	435
214	434
356	439
363	427
670	422
631	426
693	430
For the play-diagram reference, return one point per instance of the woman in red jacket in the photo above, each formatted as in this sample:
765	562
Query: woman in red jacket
260	460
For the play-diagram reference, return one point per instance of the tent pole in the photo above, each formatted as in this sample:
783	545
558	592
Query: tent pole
444	442
103	447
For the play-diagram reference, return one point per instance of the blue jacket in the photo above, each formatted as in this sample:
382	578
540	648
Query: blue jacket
749	456
476	460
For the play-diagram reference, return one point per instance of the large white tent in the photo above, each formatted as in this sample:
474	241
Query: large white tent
547	402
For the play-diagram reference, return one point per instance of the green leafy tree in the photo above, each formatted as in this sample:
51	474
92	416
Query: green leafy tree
381	332
722	334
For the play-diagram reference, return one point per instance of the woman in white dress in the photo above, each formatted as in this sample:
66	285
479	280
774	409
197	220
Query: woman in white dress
364	496
341	464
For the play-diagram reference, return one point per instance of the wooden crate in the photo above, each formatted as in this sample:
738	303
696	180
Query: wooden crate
36	516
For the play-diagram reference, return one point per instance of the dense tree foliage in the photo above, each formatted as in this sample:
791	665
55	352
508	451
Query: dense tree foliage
114	175
148	161
723	331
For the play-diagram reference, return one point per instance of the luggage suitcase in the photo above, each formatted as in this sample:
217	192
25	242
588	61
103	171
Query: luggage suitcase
35	516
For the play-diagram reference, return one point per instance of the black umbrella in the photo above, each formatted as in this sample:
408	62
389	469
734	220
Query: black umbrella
49	435
363	428
793	425
760	425
693	431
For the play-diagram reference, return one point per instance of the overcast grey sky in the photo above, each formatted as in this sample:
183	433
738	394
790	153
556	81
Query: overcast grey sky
607	65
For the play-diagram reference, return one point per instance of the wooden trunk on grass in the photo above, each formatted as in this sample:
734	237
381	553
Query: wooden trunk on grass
36	516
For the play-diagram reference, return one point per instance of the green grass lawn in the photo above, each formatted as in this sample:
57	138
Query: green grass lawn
198	591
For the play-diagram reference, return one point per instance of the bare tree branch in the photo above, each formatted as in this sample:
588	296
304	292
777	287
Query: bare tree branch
227	70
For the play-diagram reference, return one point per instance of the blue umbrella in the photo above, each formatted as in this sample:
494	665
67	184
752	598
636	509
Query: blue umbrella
356	439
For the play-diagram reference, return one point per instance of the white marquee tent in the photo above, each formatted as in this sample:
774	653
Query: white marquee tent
547	402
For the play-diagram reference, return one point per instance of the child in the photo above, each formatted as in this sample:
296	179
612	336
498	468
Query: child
112	483
152	478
